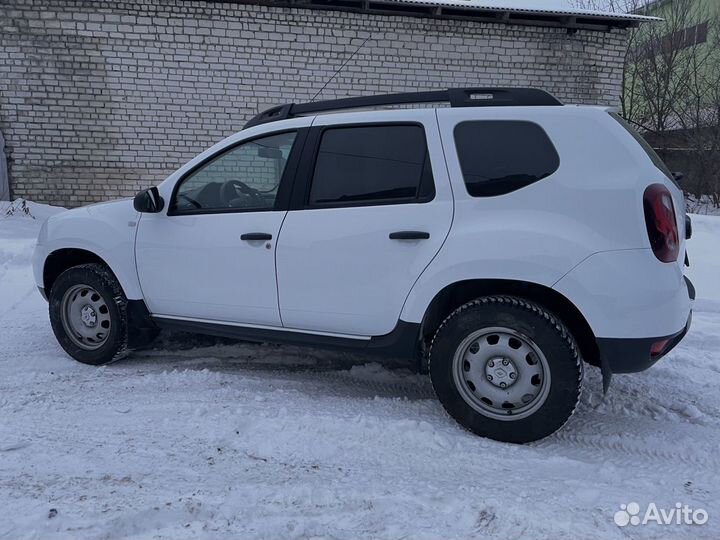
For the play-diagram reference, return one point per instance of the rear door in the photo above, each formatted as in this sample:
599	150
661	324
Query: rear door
371	207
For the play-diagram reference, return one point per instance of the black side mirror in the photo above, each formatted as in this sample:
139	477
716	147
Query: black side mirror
678	176
149	201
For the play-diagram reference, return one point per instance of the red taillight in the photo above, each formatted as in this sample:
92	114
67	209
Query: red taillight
658	347
661	224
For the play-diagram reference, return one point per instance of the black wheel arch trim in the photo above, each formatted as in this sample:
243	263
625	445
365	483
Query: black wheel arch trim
140	323
460	292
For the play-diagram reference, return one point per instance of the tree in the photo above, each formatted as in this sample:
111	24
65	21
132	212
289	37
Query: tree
671	87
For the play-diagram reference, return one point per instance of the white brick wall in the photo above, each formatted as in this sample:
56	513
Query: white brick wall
101	99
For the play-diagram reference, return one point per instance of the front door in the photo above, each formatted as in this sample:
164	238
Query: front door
376	207
212	255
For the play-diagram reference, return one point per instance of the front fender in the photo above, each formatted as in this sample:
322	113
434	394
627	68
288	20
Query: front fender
106	230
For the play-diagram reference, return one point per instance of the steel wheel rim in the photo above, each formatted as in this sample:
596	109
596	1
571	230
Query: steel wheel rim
85	317
501	373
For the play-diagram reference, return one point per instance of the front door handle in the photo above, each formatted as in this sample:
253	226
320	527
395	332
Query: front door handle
256	236
409	235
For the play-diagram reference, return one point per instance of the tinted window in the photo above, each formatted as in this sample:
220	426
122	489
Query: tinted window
372	165
246	177
498	157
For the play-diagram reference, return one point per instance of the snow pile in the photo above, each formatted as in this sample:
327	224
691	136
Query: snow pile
204	439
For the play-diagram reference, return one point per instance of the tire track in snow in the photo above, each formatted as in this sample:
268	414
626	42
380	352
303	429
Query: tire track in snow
643	448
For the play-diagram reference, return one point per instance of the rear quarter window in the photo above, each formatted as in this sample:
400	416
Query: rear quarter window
500	156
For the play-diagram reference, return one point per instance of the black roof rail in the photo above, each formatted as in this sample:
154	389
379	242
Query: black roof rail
457	97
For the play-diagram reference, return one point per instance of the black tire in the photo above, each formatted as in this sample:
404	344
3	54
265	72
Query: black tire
545	331
101	279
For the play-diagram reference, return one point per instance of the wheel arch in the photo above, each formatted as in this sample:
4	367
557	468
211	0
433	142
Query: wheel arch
143	328
456	294
65	258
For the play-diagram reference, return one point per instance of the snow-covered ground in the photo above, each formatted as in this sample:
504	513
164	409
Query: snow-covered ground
703	205
201	438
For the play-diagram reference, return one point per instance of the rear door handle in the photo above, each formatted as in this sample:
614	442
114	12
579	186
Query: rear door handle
409	235
256	236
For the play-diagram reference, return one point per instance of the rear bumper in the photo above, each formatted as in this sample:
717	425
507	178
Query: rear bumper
630	355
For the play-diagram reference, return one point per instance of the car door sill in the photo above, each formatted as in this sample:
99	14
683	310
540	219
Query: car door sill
158	319
401	342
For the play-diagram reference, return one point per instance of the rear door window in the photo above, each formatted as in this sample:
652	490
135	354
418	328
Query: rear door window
371	165
500	156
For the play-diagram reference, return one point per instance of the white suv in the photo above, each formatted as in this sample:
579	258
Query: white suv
497	242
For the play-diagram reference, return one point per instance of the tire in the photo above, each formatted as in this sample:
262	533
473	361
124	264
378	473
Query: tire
88	314
506	368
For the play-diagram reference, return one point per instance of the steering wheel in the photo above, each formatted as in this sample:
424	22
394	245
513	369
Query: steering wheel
229	192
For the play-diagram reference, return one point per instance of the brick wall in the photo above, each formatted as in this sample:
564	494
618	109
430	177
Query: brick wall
101	99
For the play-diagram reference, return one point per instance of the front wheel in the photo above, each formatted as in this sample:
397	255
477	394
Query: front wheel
506	368
88	314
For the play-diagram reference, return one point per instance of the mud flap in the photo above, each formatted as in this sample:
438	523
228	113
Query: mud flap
606	373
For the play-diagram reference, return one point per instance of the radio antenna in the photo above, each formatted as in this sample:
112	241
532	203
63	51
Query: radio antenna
341	68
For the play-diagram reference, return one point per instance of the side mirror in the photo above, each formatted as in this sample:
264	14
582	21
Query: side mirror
149	201
678	176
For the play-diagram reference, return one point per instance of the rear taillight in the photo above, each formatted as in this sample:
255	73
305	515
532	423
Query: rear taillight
661	224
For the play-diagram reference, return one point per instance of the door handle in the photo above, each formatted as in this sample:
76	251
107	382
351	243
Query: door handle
256	236
409	235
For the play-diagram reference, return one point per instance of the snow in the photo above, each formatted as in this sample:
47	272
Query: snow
704	255
201	438
564	7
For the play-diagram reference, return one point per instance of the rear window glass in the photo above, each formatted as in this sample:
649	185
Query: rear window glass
651	153
500	156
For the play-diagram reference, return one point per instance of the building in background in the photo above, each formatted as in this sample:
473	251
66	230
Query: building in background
101	99
4	182
672	89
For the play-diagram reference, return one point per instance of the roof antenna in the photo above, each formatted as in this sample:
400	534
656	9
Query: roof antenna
341	67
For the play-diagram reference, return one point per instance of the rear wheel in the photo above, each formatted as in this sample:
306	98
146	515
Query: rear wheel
88	314
506	369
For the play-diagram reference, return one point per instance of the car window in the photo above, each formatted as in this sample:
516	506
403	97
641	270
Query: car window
368	165
245	177
497	157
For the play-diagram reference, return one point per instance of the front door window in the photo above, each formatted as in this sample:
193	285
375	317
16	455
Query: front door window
245	177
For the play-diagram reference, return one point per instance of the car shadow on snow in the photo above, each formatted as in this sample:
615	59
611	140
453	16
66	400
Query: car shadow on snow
355	374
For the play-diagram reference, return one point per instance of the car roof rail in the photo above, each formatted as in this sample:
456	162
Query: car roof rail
456	97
